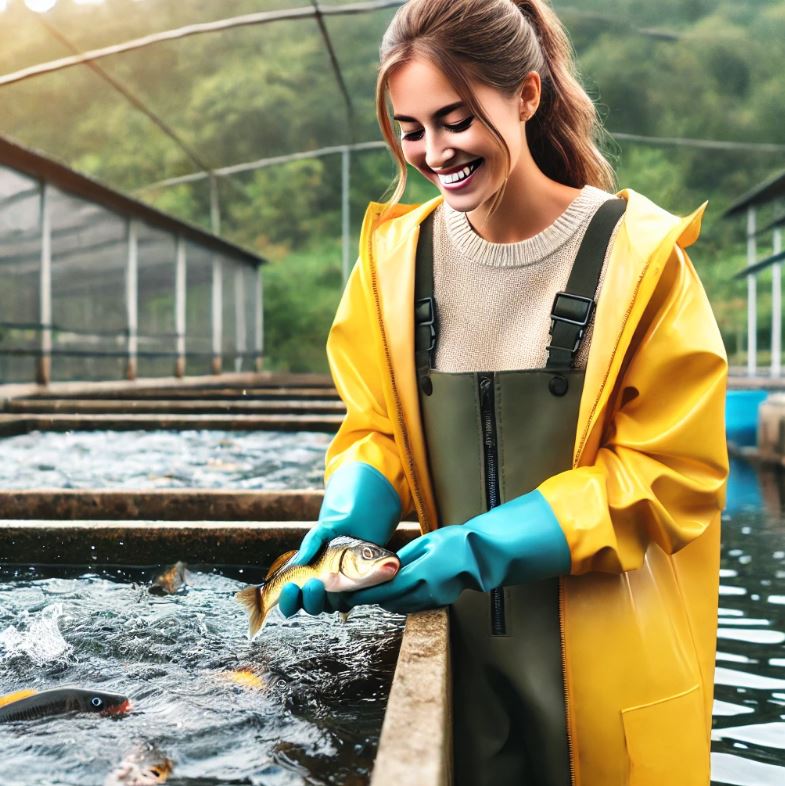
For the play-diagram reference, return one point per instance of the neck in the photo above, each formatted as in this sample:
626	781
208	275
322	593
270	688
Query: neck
531	202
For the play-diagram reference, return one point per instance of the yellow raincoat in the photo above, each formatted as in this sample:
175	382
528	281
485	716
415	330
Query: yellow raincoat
640	508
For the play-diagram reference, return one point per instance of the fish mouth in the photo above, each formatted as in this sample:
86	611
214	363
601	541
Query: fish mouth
390	566
119	709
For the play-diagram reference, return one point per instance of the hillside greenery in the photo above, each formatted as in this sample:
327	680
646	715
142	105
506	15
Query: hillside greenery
700	69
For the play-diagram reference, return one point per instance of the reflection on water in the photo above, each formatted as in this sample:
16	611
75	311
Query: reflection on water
302	704
164	459
748	739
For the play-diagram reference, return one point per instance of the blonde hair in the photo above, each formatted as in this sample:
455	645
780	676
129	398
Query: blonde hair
496	43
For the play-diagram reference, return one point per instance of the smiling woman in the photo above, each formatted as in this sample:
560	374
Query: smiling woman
503	352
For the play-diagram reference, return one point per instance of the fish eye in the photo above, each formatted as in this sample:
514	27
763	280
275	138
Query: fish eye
96	701
367	552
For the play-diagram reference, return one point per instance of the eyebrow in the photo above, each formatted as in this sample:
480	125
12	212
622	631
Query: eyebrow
445	110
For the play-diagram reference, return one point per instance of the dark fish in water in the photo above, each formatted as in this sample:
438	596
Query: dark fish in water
141	767
30	704
172	580
343	564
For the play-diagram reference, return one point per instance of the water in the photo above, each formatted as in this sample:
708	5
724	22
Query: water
748	738
164	459
308	709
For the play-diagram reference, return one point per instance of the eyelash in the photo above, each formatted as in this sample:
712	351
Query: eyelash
455	128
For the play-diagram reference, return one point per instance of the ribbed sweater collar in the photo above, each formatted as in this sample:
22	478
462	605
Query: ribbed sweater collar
468	243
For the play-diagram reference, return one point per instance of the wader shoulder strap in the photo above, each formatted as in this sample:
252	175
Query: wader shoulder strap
572	309
424	305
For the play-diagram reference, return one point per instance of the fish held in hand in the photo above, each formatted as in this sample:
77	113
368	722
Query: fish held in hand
170	581
344	564
31	705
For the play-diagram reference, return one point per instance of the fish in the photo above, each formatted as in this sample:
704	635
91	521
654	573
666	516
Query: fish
30	704
245	677
343	564
141	767
170	581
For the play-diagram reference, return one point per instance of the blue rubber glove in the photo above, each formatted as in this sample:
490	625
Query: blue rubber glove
514	543
359	502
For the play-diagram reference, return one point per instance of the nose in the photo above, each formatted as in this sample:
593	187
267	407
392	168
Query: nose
437	154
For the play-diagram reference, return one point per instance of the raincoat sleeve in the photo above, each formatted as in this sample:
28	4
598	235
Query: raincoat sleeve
366	433
660	472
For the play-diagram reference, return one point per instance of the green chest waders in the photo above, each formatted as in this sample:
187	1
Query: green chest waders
491	437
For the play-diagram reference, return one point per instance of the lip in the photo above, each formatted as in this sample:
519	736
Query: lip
454	169
461	183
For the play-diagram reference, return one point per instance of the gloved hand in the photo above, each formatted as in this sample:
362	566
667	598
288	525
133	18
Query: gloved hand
358	502
517	542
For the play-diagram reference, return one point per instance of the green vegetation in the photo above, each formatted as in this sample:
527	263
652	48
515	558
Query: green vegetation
677	68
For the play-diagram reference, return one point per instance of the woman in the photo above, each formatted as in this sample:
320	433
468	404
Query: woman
579	449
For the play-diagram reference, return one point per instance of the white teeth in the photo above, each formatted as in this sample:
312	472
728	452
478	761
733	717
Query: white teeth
455	177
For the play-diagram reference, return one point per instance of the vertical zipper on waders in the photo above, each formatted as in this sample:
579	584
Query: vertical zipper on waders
488	415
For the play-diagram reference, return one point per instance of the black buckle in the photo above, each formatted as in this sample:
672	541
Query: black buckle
580	323
429	321
583	321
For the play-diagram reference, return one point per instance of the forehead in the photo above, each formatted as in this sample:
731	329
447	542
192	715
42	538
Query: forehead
418	89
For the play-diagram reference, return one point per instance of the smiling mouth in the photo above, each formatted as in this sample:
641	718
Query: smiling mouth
460	175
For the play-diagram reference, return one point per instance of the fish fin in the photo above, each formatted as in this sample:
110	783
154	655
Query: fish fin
10	698
279	563
344	616
252	598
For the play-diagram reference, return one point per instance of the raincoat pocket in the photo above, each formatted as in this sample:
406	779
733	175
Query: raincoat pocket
667	741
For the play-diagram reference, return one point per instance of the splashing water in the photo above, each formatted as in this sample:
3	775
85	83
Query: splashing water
301	704
42	642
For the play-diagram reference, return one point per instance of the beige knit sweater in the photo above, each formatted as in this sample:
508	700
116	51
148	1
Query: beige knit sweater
493	300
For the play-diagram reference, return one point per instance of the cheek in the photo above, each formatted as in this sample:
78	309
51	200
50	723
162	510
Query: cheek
414	153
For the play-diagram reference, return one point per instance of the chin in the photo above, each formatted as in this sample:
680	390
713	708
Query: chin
461	203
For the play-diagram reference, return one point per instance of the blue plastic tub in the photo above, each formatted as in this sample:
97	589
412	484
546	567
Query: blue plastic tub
741	415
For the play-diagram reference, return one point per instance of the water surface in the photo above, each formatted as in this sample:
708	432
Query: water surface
309	710
164	459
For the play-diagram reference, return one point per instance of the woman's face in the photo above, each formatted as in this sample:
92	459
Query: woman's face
445	143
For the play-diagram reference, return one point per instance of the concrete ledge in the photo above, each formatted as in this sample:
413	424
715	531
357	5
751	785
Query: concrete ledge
141	543
166	504
241	379
11	425
235	406
416	741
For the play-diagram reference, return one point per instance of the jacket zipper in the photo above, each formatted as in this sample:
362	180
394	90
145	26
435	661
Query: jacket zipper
488	417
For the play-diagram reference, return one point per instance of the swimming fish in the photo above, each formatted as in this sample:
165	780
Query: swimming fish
141	767
170	581
30	704
343	564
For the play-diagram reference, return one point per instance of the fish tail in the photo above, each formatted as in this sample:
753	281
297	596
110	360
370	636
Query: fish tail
252	598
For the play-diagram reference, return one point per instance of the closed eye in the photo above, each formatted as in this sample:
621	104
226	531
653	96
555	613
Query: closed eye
455	128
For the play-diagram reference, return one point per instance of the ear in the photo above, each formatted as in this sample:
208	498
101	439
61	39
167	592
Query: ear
529	93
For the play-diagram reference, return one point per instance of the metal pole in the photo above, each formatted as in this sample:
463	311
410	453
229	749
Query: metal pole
132	297
44	370
776	308
217	308
259	333
345	161
752	295
179	308
240	343
215	206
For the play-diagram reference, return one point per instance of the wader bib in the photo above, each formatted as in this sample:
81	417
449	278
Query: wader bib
491	437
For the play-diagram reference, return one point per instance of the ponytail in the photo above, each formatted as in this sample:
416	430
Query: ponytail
564	131
496	43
